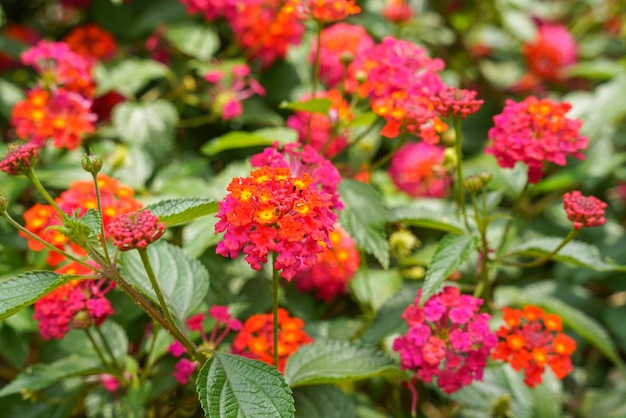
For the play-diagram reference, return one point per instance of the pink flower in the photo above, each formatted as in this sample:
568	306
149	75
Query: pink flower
584	211
20	159
535	131
211	9
397	11
417	169
230	86
194	323
447	339
109	382
461	103
183	370
553	49
176	349
135	230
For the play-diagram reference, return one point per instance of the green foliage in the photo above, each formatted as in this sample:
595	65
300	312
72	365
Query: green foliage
182	210
231	386
193	39
23	290
312	106
322	401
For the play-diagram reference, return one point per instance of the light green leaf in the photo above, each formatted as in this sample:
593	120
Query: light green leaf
41	376
10	94
372	287
193	39
89	225
428	213
184	281
76	341
575	252
322	401
330	361
128	76
21	291
312	106
364	119
598	69
364	217
234	140
279	134
231	386
182	210
451	252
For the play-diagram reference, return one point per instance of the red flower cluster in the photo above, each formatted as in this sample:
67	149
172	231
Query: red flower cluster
61	115
20	159
92	42
341	44
274	211
553	49
335	268
79	304
584	211
460	103
135	230
530	339
397	11
535	131
256	339
324	11
417	169
322	132
80	197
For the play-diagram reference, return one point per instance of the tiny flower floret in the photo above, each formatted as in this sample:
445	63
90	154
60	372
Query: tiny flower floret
584	211
20	159
135	230
274	211
447	339
418	170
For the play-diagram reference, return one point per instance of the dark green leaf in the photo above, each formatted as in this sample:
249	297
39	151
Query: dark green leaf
312	106
41	376
182	210
575	252
193	39
428	213
330	361
451	252
21	291
364	217
183	280
322	401
231	386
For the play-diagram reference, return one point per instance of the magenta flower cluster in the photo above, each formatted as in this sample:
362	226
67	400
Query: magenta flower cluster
447	339
20	159
135	230
584	211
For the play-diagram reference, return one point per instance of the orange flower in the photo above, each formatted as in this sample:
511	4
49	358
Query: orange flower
256	339
91	41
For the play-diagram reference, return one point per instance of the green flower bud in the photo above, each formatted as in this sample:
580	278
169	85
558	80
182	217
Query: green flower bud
473	183
402	243
4	203
414	273
450	159
486	177
92	163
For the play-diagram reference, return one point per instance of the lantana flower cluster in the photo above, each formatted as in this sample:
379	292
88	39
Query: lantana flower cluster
275	211
531	339
256	339
116	199
324	11
553	49
535	131
135	230
447	339
418	170
335	267
230	88
20	159
584	211
92	42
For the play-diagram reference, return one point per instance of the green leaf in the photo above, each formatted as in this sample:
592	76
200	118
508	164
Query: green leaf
322	401
364	217
598	69
312	106
428	213
372	287
193	39
10	94
388	319
234	140
21	291
184	281
129	76
575	252
76	341
182	210
364	119
451	252
148	124
41	376
88	226
231	386
330	361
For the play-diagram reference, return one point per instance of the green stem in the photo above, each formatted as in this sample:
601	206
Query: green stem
539	261
33	178
484	244
275	282
107	347
509	223
388	156
102	235
458	146
97	349
197	121
145	259
46	244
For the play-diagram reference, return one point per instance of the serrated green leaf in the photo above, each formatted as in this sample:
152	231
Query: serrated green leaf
231	386
428	213
388	319
128	76
41	376
193	39
312	106
184	281
451	252
577	253
364	217
183	209
88	226
322	401
21	291
145	124
330	361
